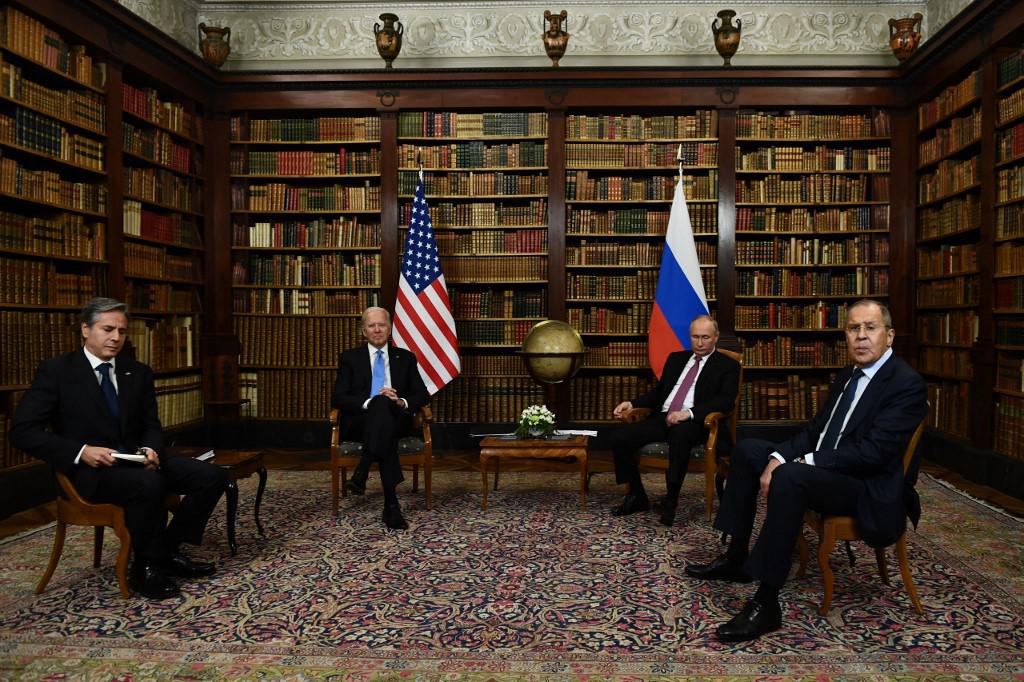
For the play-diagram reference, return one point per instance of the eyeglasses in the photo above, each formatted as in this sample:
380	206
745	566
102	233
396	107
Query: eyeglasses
869	328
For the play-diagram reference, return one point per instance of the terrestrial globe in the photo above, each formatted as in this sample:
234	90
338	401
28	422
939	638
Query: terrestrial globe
552	351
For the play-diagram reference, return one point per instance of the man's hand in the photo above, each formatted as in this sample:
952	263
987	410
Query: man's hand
621	409
97	457
673	418
152	458
391	393
766	475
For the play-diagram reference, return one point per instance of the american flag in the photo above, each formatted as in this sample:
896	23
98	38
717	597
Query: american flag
423	314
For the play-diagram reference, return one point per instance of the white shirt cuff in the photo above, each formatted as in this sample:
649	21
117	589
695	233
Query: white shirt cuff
78	458
782	460
809	458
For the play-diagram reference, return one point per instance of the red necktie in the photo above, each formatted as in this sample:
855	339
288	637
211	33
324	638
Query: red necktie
684	388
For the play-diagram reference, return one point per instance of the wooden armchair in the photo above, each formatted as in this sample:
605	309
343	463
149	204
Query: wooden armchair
703	457
413	451
76	511
833	528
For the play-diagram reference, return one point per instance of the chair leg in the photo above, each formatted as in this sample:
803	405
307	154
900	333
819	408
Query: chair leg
908	580
883	570
801	544
121	531
97	546
58	547
334	489
827	542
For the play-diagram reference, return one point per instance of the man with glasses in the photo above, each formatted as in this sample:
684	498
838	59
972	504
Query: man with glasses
88	405
848	461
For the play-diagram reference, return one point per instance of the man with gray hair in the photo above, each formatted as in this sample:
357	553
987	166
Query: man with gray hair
88	405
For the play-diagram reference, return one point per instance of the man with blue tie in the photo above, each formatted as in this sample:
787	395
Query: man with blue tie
847	461
377	392
88	404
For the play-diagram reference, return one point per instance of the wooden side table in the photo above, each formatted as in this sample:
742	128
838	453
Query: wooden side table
497	447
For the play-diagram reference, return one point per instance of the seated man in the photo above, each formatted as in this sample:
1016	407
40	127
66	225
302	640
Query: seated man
847	461
378	390
693	384
89	403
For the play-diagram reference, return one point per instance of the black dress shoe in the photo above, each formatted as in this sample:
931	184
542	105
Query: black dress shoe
666	512
181	566
393	518
356	487
753	621
631	504
151	583
719	569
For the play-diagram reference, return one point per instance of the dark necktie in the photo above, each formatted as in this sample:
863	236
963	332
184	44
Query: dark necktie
109	394
835	425
684	388
377	382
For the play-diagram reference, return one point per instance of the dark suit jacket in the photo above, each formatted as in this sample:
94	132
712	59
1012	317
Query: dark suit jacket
871	448
352	387
64	409
716	389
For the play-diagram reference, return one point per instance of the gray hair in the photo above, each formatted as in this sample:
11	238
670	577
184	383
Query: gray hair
373	307
92	310
886	315
710	319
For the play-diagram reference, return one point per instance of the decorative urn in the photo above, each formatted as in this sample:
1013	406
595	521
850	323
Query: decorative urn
727	36
214	43
389	38
905	35
555	38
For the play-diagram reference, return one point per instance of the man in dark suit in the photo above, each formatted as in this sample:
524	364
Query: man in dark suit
848	461
378	390
693	384
88	404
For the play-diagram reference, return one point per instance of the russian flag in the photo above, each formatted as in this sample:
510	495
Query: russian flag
680	294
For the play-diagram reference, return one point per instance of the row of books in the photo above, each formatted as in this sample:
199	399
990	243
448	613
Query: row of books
792	398
814	189
632	319
162	186
31	38
957	291
464	124
952	176
813	251
486	399
638	221
146	104
1009	331
1010	107
492	242
65	234
160	147
492	332
1010	221
483	214
500	363
1010	372
953	259
48	137
641	155
952	99
333	269
788	125
862	281
9	455
948	362
592	398
160	298
617	354
179	400
580	186
1010	143
962	131
950	407
296	302
956	215
960	327
1009	436
143	260
1010	184
40	335
475	184
774	219
295	341
1010	68
321	129
278	196
786	351
81	107
35	282
702	123
504	303
820	315
820	158
1009	293
49	187
637	253
622	287
175	228
306	162
288	394
165	343
474	154
318	233
471	269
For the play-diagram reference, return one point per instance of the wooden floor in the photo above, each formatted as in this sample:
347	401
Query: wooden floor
468	460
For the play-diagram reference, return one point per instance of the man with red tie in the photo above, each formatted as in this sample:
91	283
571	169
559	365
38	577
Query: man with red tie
693	384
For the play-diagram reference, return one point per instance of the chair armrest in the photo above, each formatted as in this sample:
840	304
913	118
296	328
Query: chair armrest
711	421
423	417
335	429
635	415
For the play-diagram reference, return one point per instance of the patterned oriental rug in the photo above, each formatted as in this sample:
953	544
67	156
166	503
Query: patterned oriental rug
533	588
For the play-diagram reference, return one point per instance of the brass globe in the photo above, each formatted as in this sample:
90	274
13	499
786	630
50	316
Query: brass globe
552	351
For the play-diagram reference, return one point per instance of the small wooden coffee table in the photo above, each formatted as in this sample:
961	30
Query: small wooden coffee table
499	447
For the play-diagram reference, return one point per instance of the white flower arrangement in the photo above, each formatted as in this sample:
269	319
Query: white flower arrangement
536	421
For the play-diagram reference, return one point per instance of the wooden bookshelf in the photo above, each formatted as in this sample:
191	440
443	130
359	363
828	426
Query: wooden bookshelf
306	251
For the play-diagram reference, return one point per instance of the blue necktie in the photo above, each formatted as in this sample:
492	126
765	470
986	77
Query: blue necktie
109	394
378	374
835	425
